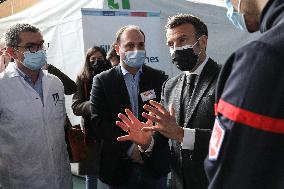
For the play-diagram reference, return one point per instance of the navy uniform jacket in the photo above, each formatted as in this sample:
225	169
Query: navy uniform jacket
250	110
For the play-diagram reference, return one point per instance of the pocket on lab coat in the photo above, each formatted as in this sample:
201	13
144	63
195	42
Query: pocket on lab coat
27	172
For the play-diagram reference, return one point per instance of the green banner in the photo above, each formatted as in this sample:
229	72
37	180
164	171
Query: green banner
113	5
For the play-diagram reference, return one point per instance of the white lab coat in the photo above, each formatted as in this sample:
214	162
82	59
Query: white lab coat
33	151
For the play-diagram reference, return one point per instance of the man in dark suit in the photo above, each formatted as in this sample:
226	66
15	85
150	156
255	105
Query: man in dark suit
190	99
127	86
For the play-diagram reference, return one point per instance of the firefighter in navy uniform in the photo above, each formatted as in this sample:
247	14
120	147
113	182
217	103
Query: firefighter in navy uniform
247	144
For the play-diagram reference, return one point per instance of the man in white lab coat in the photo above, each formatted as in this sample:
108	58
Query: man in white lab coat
33	151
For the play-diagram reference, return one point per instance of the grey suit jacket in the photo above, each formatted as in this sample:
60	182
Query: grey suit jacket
187	166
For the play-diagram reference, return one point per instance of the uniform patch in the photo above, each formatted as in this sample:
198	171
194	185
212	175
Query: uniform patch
216	140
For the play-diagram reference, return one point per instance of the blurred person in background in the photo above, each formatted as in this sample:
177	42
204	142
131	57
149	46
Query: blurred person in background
70	86
4	56
95	63
113	57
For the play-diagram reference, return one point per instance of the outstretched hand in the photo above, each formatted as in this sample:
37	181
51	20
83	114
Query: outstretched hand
165	121
133	127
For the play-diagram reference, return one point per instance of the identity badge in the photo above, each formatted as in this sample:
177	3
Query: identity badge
148	95
216	140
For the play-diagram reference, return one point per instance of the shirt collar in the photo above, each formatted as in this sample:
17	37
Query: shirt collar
25	76
13	71
199	68
124	71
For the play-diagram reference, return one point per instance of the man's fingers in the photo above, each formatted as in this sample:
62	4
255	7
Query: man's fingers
124	119
151	117
153	110
130	115
159	106
149	122
122	126
123	138
154	128
172	110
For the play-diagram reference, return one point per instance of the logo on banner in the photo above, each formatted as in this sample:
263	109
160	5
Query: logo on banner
112	4
216	140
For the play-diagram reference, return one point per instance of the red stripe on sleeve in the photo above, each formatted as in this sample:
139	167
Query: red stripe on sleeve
249	118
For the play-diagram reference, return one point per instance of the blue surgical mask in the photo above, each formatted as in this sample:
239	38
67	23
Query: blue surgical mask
135	59
34	61
236	18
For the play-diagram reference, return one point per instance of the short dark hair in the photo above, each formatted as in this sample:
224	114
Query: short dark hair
179	19
132	27
12	36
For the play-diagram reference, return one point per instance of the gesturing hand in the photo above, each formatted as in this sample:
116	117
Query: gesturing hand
133	126
165	121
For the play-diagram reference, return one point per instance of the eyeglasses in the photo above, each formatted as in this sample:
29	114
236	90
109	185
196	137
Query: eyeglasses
35	47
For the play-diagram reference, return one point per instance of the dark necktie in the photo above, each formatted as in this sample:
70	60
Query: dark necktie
190	84
187	94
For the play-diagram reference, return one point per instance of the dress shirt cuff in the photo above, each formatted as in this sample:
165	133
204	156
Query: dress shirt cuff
188	139
149	149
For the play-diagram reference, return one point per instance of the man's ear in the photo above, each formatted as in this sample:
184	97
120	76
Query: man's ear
11	52
203	41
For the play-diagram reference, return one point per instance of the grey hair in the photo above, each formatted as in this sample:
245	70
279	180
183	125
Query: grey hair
12	36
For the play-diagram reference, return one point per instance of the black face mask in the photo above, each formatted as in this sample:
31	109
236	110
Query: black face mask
99	66
184	59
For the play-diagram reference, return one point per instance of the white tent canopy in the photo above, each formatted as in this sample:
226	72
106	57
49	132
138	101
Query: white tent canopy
61	24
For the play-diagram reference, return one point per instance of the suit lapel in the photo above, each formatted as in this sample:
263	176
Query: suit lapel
178	98
207	75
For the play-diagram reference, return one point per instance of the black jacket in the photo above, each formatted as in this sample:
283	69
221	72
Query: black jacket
250	96
109	96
